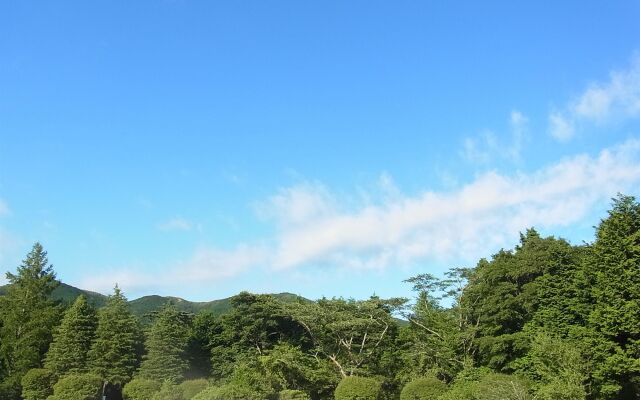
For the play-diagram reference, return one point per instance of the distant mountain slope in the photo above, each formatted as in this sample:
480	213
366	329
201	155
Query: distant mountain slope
67	294
146	304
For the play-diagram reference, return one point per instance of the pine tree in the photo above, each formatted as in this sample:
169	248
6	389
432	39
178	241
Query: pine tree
115	353
29	316
166	347
615	270
72	341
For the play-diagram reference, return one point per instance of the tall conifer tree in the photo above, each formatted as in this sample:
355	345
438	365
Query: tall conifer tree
72	341
166	345
615	269
115	353
29	316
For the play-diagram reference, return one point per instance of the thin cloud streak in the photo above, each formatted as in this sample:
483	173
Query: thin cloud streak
206	265
176	224
486	146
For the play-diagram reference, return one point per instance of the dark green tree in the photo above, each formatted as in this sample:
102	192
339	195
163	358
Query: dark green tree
199	344
28	318
166	345
504	294
255	324
115	353
614	266
72	340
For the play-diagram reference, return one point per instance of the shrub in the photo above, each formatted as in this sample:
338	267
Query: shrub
77	387
490	387
37	384
427	388
168	391
193	387
293	395
229	392
358	388
140	389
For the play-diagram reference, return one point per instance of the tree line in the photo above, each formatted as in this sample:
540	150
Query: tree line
545	320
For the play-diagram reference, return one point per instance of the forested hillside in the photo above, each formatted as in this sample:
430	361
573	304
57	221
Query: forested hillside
145	305
544	320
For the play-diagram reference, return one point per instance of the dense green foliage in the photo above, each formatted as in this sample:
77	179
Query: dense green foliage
77	387
490	387
193	387
166	344
289	394
168	391
358	388
546	320
427	388
140	389
72	340
37	384
28	317
229	392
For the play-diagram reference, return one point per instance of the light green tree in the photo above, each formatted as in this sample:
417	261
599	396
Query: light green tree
77	387
37	384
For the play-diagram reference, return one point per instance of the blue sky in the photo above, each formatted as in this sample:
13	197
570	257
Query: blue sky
324	148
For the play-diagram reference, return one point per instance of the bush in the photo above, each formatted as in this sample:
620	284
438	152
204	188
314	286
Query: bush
358	388
140	389
37	384
293	395
193	387
168	391
427	388
229	392
490	387
77	387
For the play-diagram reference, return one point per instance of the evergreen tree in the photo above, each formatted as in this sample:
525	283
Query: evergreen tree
29	316
166	347
615	269
72	341
115	353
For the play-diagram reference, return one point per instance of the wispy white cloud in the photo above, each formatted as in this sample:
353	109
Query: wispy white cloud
602	102
487	146
317	227
4	208
560	127
463	224
176	224
8	241
205	266
298	204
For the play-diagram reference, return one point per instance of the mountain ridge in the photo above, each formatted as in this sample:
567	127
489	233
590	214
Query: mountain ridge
150	303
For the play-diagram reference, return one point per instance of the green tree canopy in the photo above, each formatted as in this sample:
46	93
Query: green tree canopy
37	384
73	339
115	353
28	318
166	344
614	266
